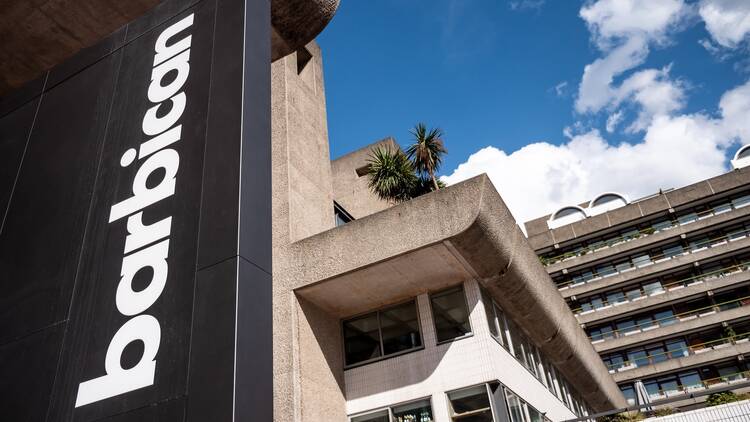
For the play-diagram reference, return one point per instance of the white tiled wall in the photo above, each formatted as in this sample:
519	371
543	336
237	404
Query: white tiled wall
440	368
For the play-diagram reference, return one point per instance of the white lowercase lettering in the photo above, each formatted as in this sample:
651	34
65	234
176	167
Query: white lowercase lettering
156	154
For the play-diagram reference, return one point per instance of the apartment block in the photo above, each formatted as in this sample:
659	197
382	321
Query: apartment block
660	284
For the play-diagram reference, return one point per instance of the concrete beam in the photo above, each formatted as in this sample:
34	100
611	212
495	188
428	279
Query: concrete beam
36	35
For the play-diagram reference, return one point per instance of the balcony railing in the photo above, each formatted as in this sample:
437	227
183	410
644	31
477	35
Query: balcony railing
673	319
722	209
694	349
669	287
694	248
703	385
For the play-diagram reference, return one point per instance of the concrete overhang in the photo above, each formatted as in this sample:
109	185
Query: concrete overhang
457	233
37	35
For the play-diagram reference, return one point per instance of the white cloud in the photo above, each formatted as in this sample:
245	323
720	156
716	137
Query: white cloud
654	93
624	30
728	21
675	151
613	120
561	88
609	20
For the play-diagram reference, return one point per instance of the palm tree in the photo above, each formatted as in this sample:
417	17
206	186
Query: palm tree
391	175
426	153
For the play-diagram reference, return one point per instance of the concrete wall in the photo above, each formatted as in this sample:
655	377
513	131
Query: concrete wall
350	189
307	372
436	369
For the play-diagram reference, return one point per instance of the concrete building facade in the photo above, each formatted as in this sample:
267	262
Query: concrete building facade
659	284
427	310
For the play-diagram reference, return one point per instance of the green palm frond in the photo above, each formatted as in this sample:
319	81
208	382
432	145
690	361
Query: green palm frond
391	174
426	153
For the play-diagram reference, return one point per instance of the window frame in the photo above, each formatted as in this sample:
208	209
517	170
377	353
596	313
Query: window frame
380	335
389	409
468	314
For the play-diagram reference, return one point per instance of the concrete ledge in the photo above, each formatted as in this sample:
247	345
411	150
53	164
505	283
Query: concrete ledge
670	330
645	208
407	244
671	234
660	299
685	362
654	270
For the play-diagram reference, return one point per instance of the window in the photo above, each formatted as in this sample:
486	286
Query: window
381	416
471	404
515	407
418	411
451	314
629	392
673	250
382	333
341	216
489	309
399	326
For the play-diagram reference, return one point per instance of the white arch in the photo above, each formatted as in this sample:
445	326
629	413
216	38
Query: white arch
596	209
739	161
740	151
556	220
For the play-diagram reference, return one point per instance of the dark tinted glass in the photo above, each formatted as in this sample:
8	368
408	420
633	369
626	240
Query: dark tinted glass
400	328
450	314
472	400
361	339
381	416
490	312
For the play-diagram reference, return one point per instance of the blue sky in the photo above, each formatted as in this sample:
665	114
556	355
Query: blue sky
507	82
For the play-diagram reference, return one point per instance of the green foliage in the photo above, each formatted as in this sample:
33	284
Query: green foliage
729	332
396	176
664	412
426	153
725	397
622	417
391	175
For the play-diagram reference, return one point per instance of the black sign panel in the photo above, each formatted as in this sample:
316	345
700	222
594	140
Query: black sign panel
109	200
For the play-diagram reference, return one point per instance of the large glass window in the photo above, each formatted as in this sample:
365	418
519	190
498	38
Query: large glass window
382	333
451	314
470	405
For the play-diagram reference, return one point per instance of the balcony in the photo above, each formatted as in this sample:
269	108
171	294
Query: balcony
707	215
666	293
720	245
726	380
695	314
696	354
